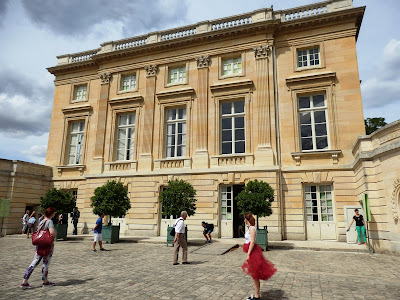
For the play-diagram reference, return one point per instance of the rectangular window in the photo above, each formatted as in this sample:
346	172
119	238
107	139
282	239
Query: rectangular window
232	127
308	57
312	114
80	92
177	75
232	66
128	82
125	136
319	203
226	202
176	132
76	143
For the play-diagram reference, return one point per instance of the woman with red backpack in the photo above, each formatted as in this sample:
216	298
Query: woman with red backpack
42	252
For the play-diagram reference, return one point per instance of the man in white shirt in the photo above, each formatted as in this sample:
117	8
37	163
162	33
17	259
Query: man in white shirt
179	240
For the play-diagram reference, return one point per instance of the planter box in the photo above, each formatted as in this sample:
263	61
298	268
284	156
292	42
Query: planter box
262	238
170	239
61	231
110	234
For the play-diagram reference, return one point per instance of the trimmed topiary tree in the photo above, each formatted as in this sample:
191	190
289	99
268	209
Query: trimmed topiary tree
111	199
256	198
63	201
178	196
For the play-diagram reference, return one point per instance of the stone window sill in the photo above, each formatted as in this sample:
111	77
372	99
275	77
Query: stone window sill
173	162
232	159
123	165
80	168
322	153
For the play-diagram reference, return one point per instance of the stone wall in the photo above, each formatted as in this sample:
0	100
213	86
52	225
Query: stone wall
24	183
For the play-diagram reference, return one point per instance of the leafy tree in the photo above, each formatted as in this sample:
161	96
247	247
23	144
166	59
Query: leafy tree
256	198
178	196
111	199
373	124
63	201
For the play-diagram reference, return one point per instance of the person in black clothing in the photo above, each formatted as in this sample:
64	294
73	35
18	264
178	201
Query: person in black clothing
360	226
75	215
208	228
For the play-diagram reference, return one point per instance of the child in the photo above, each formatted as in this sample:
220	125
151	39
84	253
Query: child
208	228
31	223
97	233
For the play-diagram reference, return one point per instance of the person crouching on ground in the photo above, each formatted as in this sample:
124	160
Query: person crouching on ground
42	253
208	228
97	233
255	265
179	240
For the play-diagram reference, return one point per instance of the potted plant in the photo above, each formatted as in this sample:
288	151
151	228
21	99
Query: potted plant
64	202
256	198
178	196
111	199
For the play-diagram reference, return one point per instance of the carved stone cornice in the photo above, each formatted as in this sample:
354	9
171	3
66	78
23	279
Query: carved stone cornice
203	61
105	78
261	51
151	70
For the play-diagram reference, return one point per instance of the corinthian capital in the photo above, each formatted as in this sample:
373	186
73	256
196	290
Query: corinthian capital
105	78
203	61
151	70
261	51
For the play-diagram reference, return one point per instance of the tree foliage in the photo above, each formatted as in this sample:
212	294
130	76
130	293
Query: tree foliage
111	199
178	196
63	201
373	124
256	198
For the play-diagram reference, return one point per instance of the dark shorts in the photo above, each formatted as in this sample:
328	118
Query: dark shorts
208	231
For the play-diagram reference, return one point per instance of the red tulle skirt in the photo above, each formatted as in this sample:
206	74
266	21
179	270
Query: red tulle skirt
257	266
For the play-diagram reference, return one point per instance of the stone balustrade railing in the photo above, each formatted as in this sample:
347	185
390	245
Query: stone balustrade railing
212	26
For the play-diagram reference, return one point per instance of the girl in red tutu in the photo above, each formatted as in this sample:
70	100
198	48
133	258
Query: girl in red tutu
255	265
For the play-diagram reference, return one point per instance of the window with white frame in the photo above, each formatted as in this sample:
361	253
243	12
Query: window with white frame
177	75
308	58
128	82
319	202
232	66
232	127
226	202
80	92
125	136
76	143
176	132
313	124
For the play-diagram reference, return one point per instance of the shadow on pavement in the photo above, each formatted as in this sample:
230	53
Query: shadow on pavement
273	295
73	282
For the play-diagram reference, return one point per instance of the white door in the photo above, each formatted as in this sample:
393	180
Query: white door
165	222
122	223
226	211
319	212
351	235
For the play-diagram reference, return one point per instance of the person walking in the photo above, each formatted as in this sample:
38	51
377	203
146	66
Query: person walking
25	219
255	265
45	224
75	217
31	224
179	240
208	228
97	233
360	226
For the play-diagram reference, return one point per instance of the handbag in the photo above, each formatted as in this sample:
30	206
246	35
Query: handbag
43	250
42	237
172	233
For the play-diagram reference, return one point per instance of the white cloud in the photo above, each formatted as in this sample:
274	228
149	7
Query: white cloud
383	87
37	153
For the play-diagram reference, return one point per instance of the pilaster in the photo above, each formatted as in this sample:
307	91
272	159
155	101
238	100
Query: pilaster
201	155
97	163
145	162
263	154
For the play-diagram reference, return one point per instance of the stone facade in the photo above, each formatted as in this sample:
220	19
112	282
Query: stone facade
270	83
23	183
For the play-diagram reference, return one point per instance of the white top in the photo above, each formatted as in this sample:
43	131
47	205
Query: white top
247	235
179	225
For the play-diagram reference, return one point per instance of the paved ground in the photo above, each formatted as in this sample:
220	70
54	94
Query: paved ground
145	271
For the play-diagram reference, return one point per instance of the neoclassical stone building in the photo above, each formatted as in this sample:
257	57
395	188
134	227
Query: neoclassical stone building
268	95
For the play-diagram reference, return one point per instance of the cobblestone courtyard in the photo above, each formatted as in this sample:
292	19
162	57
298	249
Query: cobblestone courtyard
145	271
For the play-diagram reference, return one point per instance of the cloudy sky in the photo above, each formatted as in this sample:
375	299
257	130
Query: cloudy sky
34	32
